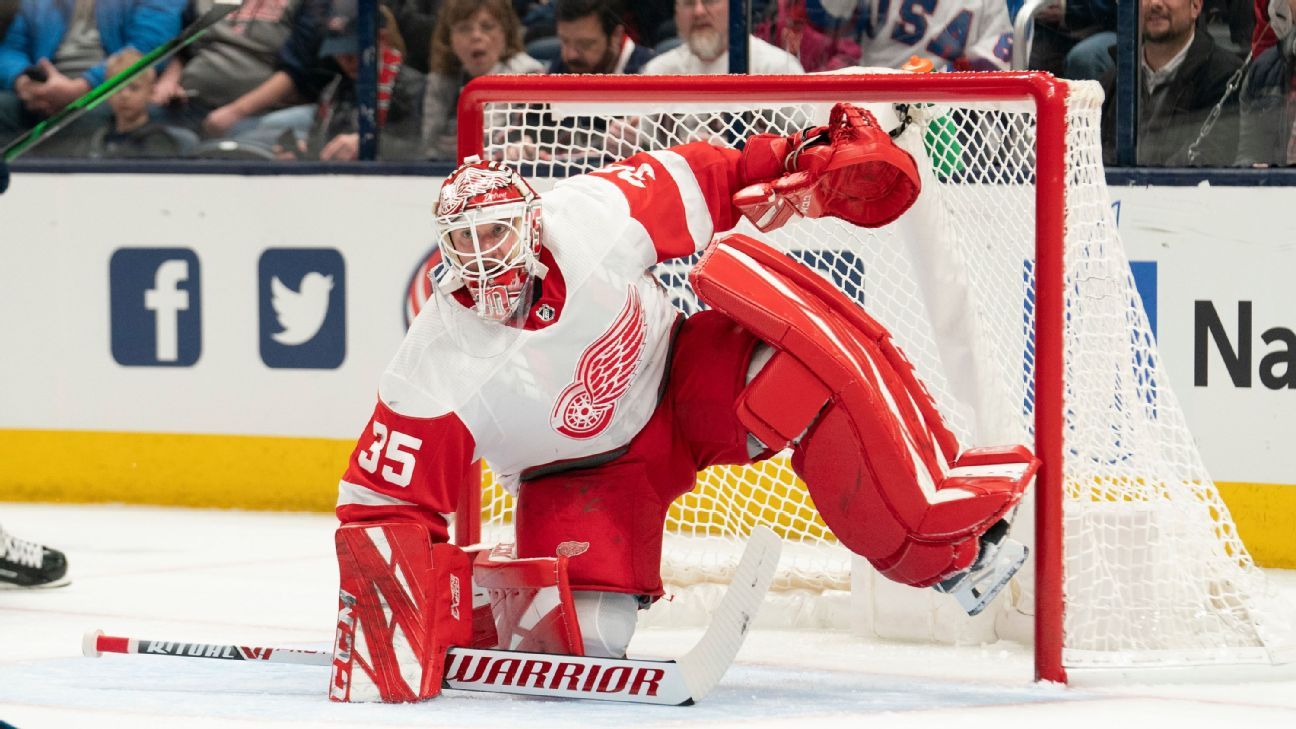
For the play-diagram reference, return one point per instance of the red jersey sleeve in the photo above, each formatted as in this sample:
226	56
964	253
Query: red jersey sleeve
407	469
681	196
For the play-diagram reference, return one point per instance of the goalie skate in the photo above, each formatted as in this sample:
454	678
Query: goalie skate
999	560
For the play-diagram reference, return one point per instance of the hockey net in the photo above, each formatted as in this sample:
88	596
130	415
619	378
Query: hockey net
1138	561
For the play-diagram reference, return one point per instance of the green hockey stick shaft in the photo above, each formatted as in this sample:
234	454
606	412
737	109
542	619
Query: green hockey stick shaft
96	96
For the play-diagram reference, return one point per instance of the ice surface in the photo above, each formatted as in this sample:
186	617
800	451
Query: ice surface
270	579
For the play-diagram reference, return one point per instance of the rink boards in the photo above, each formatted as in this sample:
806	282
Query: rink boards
245	403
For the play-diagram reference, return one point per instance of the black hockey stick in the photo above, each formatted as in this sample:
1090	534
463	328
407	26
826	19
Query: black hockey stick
96	96
681	681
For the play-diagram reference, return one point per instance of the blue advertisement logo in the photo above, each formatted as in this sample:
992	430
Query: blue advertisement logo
1145	281
155	307
303	308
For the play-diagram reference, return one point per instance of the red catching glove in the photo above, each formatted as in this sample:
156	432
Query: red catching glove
849	169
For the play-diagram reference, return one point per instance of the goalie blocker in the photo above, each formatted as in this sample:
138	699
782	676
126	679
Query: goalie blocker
885	472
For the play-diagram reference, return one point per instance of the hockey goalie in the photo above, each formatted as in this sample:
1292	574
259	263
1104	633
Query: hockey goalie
548	349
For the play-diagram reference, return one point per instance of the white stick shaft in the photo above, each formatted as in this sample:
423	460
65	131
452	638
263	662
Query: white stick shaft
96	644
467	669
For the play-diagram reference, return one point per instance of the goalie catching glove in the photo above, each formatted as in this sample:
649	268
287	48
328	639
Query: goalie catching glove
849	169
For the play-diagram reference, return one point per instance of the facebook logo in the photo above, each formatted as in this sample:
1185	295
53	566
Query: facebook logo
155	303
303	308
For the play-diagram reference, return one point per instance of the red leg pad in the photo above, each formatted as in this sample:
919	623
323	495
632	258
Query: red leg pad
781	402
531	601
403	602
923	564
879	462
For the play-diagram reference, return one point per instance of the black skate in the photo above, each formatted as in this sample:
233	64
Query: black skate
25	564
998	560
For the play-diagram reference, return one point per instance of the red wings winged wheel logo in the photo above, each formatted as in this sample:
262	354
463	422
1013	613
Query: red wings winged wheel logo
603	374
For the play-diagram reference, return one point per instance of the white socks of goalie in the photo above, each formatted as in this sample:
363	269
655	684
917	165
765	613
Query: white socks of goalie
607	621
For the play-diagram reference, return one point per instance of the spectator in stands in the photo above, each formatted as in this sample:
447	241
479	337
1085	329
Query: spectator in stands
8	9
593	38
334	135
472	38
1262	34
1183	77
293	89
1267	133
1075	39
704	27
415	20
1238	16
651	21
237	55
974	35
55	52
819	36
130	134
537	18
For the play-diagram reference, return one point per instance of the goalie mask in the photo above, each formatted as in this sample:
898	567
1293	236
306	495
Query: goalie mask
488	228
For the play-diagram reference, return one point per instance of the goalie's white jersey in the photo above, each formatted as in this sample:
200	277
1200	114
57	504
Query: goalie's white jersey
585	374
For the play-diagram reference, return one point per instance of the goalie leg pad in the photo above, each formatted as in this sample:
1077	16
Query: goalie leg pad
783	399
878	461
403	602
531	601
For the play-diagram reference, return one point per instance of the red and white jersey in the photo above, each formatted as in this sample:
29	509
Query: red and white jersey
970	35
584	376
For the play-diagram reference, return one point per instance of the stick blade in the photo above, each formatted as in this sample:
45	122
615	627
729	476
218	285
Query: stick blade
707	662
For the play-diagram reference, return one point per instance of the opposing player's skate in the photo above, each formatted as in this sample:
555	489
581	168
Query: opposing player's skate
25	564
998	560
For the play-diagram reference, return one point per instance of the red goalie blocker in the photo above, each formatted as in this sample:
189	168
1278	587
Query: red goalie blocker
883	469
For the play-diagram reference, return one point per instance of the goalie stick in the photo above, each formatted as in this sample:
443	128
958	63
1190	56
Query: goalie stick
680	682
96	96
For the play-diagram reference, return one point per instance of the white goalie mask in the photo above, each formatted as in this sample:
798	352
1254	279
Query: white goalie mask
488	228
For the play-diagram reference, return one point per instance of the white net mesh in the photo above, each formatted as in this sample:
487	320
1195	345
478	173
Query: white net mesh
1154	568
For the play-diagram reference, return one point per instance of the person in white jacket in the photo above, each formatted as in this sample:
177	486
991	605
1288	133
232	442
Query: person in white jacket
703	25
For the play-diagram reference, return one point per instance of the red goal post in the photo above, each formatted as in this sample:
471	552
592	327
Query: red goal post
1037	144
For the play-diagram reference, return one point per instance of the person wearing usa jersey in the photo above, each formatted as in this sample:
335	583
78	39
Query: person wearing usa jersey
565	366
973	35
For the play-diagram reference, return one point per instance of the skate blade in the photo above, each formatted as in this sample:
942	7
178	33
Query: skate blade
11	587
980	590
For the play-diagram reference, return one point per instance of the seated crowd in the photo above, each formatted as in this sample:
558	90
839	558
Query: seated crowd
276	79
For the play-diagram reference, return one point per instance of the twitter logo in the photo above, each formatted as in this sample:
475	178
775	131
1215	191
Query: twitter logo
301	313
302	308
